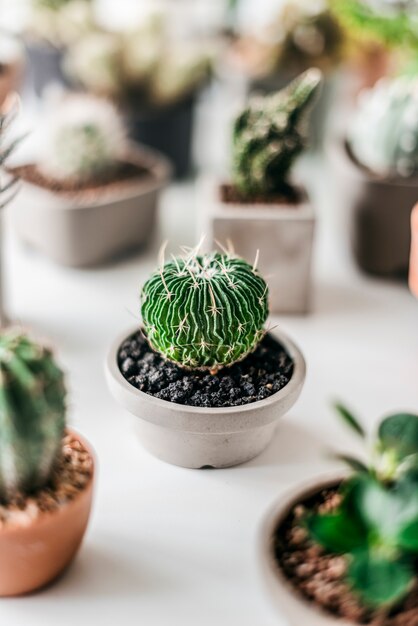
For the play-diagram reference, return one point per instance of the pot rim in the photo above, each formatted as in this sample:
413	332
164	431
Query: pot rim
343	152
159	174
273	518
295	383
46	517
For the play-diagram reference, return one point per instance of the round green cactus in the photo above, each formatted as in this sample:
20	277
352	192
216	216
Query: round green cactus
270	133
32	414
205	311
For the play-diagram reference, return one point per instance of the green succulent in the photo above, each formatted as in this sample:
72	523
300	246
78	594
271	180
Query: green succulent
205	311
32	414
270	133
376	524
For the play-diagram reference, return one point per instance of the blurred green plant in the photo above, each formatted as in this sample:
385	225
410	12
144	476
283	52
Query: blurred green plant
269	134
376	524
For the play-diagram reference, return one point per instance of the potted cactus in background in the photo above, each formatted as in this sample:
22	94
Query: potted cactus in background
46	471
90	195
203	374
343	550
12	62
153	77
378	167
261	208
52	26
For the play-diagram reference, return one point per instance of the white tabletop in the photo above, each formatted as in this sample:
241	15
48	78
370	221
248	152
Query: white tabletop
170	546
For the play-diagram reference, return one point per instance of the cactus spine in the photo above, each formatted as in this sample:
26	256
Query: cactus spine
32	414
269	134
205	311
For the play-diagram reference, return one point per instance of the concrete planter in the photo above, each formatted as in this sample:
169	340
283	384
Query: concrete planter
380	215
83	229
35	554
197	437
283	234
289	603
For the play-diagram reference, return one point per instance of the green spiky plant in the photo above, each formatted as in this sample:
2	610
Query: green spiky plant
205	311
8	185
376	524
270	134
32	414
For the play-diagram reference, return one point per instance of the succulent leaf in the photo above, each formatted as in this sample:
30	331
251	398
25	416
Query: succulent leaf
270	133
32	414
205	310
400	433
350	419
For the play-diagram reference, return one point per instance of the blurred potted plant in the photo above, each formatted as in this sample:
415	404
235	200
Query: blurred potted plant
12	62
379	169
53	25
90	195
413	265
153	78
46	471
261	208
205	377
343	550
8	186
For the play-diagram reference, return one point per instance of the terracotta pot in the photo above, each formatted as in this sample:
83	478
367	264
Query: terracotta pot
289	603
380	214
12	62
283	233
198	437
81	230
34	555
413	265
168	130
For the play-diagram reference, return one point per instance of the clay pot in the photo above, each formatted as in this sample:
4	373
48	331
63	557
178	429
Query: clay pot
80	230
380	214
34	555
198	437
283	233
12	62
288	602
413	265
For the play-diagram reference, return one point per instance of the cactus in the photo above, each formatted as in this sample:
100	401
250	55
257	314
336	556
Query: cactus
84	141
384	132
32	414
269	134
205	311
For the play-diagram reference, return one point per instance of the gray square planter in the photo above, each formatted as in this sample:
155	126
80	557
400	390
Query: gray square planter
283	234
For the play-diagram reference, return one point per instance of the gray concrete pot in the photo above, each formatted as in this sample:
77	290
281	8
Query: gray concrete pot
197	437
283	234
380	214
289	603
79	229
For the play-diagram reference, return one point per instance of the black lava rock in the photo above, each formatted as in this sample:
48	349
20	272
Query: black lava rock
261	374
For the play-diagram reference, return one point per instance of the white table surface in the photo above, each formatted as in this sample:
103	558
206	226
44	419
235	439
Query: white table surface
168	546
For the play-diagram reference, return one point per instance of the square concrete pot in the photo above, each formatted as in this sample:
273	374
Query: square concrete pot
81	229
287	600
283	234
197	437
380	214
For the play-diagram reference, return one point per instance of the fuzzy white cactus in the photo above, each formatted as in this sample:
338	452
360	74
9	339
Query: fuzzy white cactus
84	140
383	135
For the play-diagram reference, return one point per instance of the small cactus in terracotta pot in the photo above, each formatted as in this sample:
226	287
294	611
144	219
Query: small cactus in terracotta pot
46	471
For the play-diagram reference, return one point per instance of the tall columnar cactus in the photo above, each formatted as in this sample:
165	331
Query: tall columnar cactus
205	311
270	133
384	132
32	414
84	141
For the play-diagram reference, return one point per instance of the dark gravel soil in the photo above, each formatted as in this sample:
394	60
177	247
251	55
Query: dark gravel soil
319	576
261	374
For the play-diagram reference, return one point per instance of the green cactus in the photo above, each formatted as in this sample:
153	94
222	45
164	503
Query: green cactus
205	311
384	132
32	414
269	134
